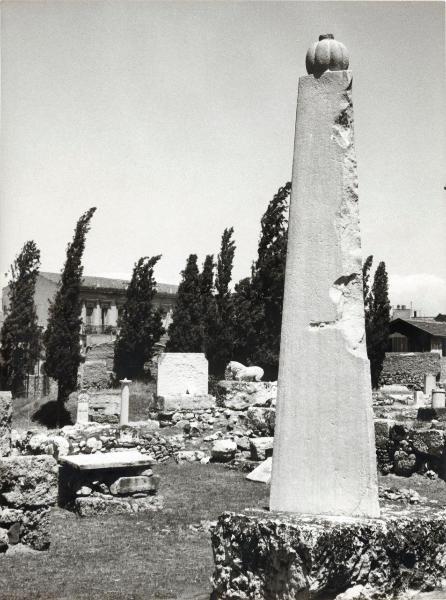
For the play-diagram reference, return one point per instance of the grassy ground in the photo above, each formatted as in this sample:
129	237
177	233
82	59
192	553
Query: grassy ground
163	555
155	556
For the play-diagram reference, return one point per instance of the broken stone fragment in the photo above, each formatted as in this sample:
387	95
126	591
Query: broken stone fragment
223	450
131	485
261	448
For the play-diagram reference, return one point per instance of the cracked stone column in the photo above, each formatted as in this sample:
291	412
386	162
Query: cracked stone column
324	447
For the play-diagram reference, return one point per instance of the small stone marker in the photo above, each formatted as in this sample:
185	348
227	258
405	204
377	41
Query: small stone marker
131	485
182	373
324	458
438	398
418	398
125	395
83	401
429	383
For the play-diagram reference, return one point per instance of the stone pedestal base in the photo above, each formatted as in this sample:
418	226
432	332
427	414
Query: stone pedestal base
280	556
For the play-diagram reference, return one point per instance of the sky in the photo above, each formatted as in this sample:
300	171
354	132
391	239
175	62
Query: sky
176	120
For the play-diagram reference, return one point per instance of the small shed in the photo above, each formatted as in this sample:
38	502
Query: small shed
417	335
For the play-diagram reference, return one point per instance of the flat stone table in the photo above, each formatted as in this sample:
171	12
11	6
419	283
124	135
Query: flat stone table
108	483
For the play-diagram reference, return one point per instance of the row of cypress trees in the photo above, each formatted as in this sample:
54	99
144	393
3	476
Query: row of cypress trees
243	325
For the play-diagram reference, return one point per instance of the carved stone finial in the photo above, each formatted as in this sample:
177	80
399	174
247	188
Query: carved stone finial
326	55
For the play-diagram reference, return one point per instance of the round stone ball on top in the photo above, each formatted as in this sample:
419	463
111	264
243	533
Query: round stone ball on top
326	55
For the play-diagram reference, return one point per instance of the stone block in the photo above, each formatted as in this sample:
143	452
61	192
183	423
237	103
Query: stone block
262	473
404	464
28	481
240	395
125	486
261	448
5	422
261	420
182	373
187	402
382	432
92	506
223	450
28	527
429	441
291	556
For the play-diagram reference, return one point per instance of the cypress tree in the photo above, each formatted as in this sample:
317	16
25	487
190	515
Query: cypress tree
62	336
269	280
186	330
20	334
223	336
245	319
208	306
367	294
140	325
377	339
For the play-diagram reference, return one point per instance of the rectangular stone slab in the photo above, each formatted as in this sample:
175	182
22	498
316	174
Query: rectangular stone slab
112	460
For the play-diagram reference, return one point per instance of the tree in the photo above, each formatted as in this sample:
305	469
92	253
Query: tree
223	335
208	305
62	336
20	334
186	330
258	301
379	320
140	325
367	294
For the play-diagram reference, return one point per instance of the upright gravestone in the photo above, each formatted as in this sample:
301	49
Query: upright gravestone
182	373
324	450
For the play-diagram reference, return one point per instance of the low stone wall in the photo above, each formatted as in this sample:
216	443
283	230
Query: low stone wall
410	446
28	488
409	368
95	437
5	422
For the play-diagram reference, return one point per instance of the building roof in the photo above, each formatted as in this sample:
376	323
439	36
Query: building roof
430	326
108	283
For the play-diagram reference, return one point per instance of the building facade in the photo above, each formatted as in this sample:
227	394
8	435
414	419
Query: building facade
102	301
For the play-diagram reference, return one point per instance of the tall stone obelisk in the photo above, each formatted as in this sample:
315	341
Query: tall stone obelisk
324	448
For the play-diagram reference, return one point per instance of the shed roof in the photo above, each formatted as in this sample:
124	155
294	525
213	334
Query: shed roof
430	326
89	281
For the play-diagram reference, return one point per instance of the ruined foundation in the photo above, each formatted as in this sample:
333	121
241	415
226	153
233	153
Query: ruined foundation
288	557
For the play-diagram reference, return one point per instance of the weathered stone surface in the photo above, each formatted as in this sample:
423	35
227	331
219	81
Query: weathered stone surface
29	527
182	373
111	460
189	456
262	473
188	402
403	463
429	441
239	395
261	420
96	375
316	468
223	450
410	368
5	422
28	481
284	556
261	448
97	505
131	485
382	432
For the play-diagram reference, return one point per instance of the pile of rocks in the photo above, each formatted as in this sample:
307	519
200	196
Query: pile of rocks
99	438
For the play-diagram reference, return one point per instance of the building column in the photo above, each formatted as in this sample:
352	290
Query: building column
96	317
112	315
